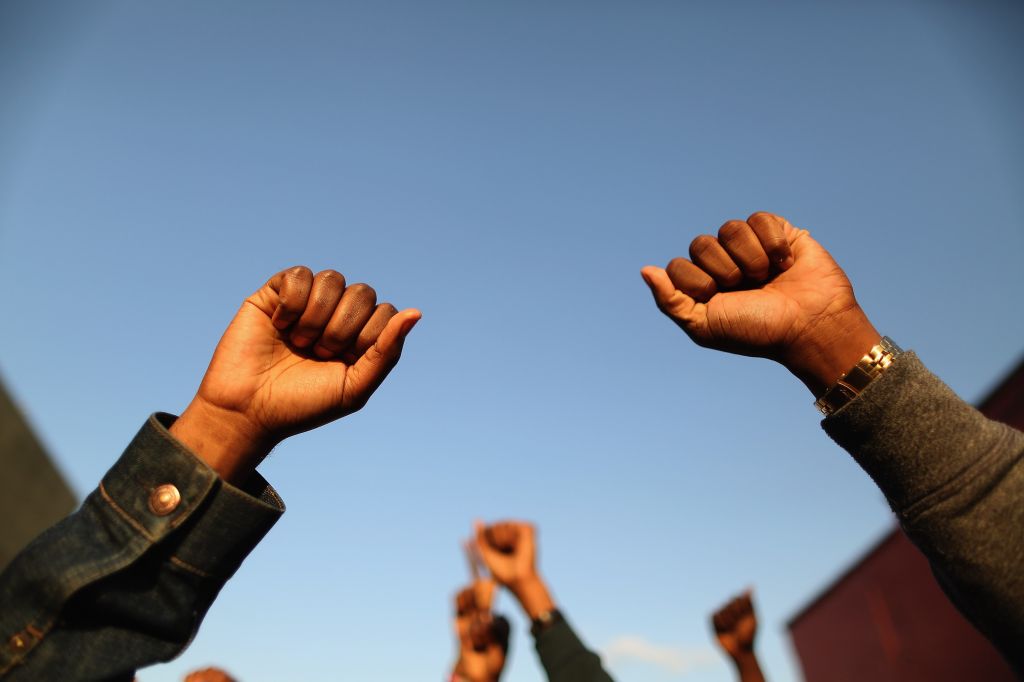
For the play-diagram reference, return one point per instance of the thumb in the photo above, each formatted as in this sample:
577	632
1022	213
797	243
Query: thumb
487	553
484	592
800	240
669	300
373	367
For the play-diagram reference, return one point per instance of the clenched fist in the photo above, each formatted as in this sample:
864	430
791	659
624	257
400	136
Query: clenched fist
735	627
483	637
509	551
765	288
302	351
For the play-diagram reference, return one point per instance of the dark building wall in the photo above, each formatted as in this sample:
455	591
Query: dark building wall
886	619
33	495
1006	401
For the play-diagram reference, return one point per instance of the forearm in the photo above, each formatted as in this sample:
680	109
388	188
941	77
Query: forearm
956	481
222	439
562	654
126	580
747	668
533	596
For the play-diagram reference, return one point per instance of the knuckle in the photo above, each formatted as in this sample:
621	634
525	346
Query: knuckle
758	268
363	290
759	264
290	304
677	266
701	245
707	290
331	277
732	278
758	216
731	230
775	245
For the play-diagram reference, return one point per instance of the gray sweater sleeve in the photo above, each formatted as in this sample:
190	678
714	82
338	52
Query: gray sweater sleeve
956	482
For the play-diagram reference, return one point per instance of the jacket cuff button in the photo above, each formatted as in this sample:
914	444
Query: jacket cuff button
164	499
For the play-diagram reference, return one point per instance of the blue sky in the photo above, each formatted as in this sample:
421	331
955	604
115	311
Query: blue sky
507	168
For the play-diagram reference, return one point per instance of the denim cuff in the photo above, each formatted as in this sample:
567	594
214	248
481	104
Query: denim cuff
158	500
219	523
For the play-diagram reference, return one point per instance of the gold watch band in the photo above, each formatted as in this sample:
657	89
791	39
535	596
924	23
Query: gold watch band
856	380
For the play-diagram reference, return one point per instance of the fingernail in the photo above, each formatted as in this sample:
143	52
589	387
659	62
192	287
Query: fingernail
785	262
646	278
301	341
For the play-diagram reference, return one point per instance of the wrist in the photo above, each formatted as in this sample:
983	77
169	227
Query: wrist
533	596
746	663
223	439
821	357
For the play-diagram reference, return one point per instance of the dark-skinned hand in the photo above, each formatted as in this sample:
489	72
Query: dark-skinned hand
509	551
736	625
483	637
302	351
765	288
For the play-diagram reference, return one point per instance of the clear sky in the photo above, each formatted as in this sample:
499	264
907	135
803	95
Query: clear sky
507	168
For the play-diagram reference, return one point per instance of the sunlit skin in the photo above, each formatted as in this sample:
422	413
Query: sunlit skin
483	638
302	351
736	628
209	675
765	288
509	551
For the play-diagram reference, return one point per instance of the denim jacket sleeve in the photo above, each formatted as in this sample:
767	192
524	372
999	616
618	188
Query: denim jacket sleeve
126	580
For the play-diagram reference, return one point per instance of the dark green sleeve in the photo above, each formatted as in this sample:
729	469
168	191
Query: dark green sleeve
565	658
956	482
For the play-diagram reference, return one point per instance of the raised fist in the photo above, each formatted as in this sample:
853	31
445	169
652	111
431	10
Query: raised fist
736	626
765	288
508	550
483	637
302	351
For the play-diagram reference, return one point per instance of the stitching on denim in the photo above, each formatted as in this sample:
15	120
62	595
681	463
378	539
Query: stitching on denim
274	496
189	567
39	635
132	522
182	517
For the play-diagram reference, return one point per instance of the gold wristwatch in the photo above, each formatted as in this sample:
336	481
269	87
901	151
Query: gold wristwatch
856	380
